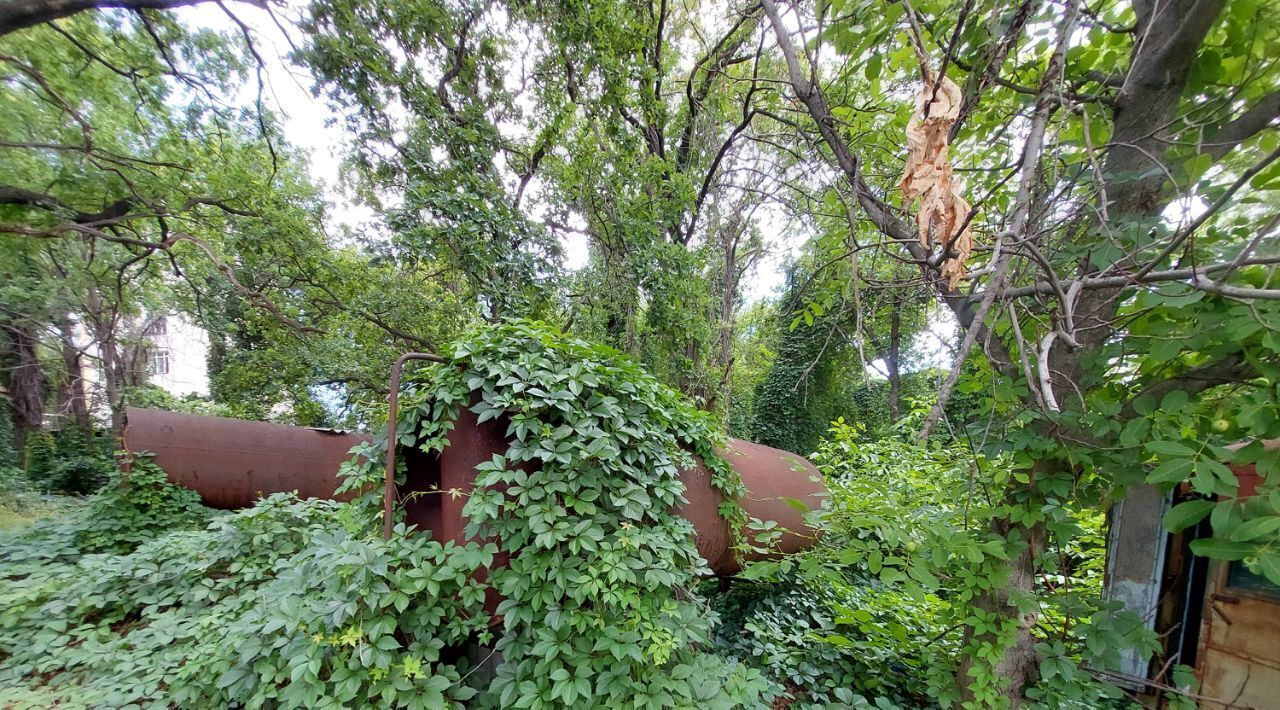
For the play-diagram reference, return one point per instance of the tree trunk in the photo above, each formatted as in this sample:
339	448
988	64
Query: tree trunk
71	392
1019	664
103	325
27	385
728	283
894	361
20	14
1168	40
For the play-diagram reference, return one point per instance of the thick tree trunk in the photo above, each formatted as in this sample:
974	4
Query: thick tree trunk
27	385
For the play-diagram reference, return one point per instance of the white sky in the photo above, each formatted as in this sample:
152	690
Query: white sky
288	90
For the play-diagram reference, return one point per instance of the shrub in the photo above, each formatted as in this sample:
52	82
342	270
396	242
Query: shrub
21	504
907	546
132	508
832	643
271	605
68	461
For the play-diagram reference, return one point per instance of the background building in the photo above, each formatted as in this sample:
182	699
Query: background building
177	353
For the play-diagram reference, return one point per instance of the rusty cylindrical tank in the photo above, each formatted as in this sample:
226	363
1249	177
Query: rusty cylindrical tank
231	463
781	487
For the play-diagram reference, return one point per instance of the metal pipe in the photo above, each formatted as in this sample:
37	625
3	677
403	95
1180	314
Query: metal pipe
393	405
231	463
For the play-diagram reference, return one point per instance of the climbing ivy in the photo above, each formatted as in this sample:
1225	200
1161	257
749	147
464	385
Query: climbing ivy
599	603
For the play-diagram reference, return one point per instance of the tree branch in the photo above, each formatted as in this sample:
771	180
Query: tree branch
1105	282
1232	368
20	14
1256	119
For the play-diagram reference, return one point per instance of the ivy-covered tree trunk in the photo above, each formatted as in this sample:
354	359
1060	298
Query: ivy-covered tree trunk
1009	660
1136	171
27	384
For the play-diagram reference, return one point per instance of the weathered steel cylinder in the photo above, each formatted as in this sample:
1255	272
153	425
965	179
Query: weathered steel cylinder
781	487
232	463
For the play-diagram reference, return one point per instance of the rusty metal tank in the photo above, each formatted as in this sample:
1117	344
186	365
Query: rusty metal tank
781	487
231	463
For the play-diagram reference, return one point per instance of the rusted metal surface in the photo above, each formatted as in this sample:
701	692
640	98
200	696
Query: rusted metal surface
393	421
781	487
231	463
1239	654
778	484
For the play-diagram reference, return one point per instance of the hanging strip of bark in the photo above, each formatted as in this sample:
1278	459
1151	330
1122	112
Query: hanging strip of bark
942	217
1021	210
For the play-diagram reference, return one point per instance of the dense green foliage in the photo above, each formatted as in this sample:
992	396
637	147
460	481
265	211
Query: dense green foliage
879	605
302	604
599	606
278	605
1113	322
68	461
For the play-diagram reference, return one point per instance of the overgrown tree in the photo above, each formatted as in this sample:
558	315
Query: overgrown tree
1120	156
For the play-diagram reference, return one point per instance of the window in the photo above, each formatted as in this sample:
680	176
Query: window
159	363
159	326
1239	577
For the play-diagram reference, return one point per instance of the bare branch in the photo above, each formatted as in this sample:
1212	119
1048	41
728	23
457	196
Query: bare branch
1106	282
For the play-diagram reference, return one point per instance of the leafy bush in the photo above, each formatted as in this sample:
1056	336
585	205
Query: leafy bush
69	461
153	397
268	606
133	508
832	643
21	504
8	456
887	595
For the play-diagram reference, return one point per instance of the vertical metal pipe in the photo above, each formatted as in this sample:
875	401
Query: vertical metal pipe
393	405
